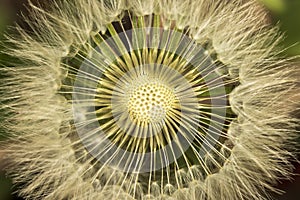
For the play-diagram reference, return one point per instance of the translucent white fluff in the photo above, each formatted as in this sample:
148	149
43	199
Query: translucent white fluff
47	158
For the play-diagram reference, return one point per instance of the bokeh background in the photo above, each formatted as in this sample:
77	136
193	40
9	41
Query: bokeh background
286	13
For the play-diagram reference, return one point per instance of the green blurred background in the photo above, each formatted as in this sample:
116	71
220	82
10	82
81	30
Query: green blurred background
284	12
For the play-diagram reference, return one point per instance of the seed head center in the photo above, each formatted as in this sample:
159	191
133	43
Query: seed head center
151	102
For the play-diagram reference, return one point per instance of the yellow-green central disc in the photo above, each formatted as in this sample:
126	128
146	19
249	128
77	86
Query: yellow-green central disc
150	102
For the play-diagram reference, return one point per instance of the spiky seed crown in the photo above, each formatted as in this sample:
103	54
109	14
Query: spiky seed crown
148	99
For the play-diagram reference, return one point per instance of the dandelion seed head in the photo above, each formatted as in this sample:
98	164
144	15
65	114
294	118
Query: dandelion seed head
148	100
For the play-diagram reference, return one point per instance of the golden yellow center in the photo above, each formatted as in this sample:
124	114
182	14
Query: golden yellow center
151	102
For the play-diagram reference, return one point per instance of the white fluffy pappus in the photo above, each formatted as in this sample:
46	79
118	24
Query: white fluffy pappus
51	151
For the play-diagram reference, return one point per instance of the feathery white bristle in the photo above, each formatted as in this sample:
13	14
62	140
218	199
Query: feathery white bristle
48	158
